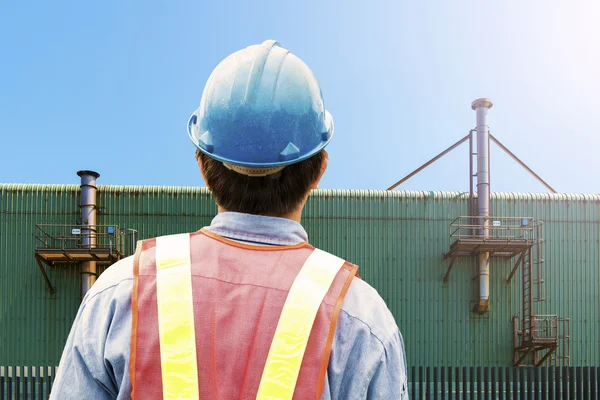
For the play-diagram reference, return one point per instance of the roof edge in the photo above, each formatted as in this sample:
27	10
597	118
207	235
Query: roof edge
414	194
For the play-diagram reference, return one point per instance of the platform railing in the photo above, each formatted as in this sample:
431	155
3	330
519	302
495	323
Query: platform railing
544	327
66	236
469	227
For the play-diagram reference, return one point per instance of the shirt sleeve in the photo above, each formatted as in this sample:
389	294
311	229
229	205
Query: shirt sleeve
365	366
389	379
75	375
95	361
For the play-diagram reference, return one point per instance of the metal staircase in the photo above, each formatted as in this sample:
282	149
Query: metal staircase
540	336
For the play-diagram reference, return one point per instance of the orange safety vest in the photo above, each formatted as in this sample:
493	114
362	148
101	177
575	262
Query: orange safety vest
216	319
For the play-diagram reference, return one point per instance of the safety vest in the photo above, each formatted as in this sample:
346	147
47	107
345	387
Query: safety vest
216	319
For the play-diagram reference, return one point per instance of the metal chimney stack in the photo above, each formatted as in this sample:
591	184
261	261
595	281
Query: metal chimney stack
481	107
88	226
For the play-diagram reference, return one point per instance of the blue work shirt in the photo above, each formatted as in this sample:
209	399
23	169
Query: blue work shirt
367	356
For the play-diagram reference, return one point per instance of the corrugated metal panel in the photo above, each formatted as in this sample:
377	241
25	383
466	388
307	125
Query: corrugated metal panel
397	239
33	324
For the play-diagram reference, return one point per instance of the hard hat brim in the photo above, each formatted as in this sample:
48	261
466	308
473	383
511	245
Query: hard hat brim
213	152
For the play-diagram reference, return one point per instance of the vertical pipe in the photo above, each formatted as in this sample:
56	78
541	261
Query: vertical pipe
41	382
472	383
464	383
501	382
593	381
471	173
471	197
26	381
565	383
18	382
435	383
458	383
442	383
514	390
481	107
421	382
88	226
1	383
572	383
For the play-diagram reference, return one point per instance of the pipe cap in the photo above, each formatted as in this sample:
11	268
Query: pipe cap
85	172
483	102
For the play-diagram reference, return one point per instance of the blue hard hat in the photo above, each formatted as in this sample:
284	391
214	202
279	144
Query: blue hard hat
262	107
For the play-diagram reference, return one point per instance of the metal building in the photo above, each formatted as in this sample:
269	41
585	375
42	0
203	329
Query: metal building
398	239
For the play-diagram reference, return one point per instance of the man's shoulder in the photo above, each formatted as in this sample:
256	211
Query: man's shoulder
114	276
364	304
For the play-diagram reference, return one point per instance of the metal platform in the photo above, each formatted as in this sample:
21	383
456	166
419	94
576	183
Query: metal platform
504	237
69	245
503	247
100	255
540	338
533	347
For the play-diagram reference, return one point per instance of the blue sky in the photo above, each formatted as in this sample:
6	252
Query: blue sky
109	86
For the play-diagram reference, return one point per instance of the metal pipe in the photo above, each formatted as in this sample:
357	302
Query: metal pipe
471	173
481	107
521	163
88	226
428	163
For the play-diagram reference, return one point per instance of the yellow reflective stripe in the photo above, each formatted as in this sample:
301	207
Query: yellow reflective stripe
176	318
295	324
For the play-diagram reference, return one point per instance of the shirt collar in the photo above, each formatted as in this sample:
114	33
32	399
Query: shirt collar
258	229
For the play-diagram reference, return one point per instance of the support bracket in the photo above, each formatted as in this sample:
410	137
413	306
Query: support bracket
449	269
43	271
512	272
524	354
548	354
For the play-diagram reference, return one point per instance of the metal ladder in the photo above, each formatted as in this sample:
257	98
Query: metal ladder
533	283
563	354
539	292
527	297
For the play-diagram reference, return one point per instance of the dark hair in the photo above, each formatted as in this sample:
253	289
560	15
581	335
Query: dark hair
274	195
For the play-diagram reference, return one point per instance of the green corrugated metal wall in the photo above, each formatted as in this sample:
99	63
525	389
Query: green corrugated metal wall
397	239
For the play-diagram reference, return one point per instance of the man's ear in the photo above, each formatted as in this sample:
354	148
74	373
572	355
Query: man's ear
315	184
